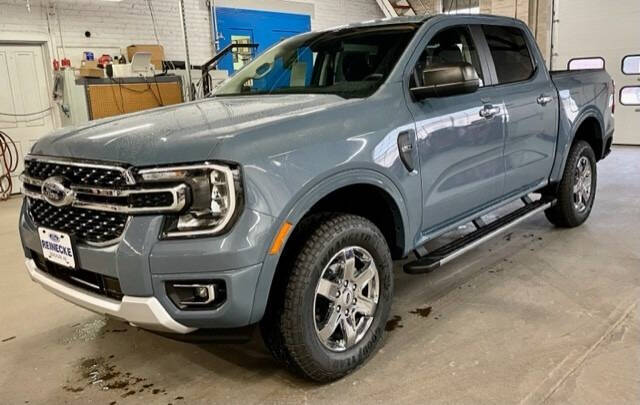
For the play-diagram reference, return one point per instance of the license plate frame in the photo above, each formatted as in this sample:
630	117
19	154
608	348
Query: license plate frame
58	247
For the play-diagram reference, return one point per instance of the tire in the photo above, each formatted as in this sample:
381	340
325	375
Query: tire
567	213
297	325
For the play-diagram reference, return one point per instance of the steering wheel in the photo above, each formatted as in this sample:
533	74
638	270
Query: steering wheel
372	77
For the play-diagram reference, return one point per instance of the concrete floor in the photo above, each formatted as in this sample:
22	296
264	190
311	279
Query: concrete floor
538	315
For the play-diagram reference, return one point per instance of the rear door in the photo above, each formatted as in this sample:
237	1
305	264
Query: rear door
531	106
460	149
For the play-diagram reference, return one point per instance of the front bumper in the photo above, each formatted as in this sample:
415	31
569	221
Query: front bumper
144	312
143	264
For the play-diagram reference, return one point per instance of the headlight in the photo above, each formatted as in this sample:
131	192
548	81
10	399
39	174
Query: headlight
216	197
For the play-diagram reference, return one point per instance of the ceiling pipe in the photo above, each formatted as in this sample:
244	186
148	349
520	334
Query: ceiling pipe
187	58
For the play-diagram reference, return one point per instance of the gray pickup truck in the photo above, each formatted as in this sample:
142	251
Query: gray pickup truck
283	199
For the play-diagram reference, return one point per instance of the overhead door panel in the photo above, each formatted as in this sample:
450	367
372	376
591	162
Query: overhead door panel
596	28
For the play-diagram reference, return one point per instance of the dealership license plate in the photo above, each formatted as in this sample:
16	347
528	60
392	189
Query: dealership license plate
57	247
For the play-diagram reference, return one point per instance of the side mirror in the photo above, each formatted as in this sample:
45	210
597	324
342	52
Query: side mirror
447	80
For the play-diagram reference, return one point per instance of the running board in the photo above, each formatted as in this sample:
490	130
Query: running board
450	251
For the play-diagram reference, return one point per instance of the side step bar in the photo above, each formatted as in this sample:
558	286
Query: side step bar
450	251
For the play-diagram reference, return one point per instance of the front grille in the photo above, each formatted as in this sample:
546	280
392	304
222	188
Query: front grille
86	225
93	201
87	280
79	175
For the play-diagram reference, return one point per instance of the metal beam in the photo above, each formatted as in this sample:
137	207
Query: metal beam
187	58
387	8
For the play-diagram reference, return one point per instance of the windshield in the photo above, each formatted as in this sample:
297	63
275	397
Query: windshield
349	63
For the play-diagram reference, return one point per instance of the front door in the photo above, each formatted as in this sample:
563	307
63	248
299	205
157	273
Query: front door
460	149
532	108
26	113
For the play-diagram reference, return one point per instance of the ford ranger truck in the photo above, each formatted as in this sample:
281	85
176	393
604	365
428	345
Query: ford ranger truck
282	199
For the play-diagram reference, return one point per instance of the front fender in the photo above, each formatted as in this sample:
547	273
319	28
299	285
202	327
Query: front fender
307	198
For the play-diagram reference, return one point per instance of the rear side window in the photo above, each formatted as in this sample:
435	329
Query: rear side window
586	63
510	53
631	65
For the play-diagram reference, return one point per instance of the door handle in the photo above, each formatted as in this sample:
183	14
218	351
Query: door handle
489	111
544	100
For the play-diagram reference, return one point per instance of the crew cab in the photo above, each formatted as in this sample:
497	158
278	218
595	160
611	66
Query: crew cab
283	199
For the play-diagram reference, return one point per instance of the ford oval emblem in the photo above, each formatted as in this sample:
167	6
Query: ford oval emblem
56	191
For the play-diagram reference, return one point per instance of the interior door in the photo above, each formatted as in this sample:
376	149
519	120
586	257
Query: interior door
265	28
23	91
460	137
531	106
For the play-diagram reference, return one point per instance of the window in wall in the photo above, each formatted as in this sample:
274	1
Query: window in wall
631	65
586	63
452	45
510	53
630	95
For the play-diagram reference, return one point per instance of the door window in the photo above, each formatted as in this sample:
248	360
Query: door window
631	65
510	53
452	45
586	63
630	95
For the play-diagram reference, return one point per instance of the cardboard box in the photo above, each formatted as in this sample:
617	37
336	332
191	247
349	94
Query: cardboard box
157	54
89	68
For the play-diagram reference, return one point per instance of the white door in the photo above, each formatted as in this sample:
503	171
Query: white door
23	90
611	30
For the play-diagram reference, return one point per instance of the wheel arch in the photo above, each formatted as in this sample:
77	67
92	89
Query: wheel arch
360	185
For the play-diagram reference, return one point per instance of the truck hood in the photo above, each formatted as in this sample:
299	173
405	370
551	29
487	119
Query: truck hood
184	133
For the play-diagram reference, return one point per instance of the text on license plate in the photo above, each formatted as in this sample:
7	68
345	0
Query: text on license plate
57	247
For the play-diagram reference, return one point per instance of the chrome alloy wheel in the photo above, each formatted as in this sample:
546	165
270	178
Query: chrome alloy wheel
582	185
346	298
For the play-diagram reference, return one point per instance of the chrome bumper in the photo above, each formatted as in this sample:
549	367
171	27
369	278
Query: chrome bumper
143	312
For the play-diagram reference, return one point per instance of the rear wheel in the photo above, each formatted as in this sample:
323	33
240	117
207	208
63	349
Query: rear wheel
335	302
577	189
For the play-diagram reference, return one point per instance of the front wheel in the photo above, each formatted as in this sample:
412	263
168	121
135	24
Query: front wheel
577	189
336	300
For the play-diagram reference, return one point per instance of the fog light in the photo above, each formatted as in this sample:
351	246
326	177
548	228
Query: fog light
203	292
196	294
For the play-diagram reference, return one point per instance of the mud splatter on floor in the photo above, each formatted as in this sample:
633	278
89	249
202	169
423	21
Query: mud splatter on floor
393	323
423	312
99	372
508	236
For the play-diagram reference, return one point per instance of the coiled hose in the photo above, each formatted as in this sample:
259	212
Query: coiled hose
8	164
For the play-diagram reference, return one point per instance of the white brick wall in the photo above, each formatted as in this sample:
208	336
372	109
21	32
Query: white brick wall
330	13
119	24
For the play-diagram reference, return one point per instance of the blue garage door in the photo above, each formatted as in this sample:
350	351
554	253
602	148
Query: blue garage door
252	26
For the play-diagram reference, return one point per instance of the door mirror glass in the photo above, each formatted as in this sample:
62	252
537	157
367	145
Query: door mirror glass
442	80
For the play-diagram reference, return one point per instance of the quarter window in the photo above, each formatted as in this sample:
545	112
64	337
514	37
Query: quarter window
451	45
510	53
631	65
630	95
586	63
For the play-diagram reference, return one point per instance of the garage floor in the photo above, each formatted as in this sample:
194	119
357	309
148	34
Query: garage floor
538	315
